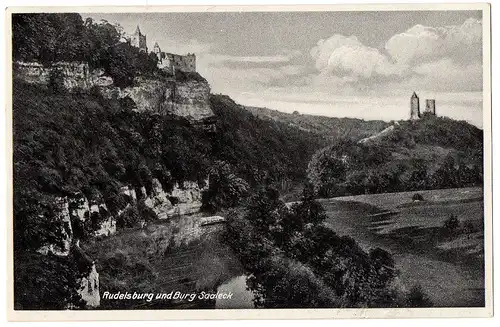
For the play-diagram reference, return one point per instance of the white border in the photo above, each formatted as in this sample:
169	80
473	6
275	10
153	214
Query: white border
271	313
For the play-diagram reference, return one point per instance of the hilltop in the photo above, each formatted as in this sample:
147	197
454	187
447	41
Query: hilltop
433	152
328	127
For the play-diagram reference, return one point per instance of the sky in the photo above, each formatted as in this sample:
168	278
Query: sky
340	64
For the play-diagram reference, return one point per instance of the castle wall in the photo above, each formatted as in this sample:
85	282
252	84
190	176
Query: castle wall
183	63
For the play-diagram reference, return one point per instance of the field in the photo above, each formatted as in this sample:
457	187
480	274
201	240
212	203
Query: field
448	264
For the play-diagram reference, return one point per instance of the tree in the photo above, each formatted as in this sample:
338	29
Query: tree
417	197
452	223
446	175
416	298
225	189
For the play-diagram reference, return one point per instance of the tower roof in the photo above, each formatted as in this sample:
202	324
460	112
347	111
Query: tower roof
137	30
156	45
414	95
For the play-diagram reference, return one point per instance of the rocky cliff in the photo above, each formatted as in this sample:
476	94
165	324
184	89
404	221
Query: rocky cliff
63	216
69	211
167	96
89	288
189	99
183	199
72	75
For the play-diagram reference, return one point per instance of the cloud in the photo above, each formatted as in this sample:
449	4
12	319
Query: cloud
443	58
342	55
253	59
420	43
344	71
250	73
445	74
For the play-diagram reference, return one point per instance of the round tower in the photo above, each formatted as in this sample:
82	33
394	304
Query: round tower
414	107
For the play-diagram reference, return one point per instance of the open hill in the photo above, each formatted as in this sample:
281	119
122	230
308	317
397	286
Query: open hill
433	152
328	127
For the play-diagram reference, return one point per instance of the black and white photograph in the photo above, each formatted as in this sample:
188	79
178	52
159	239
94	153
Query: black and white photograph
274	158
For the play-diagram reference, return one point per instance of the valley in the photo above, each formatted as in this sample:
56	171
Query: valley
448	267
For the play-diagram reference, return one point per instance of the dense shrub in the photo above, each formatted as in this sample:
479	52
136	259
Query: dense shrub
45	282
129	218
296	261
452	223
261	151
416	298
225	189
67	143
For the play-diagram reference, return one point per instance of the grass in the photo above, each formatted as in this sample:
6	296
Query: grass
449	265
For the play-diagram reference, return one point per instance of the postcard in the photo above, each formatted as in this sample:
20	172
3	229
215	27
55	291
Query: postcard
238	162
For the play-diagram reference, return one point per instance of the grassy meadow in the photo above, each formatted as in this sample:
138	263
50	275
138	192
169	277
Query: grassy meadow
449	265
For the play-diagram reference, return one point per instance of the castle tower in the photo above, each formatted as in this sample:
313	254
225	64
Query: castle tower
430	106
157	51
414	107
190	62
156	48
138	40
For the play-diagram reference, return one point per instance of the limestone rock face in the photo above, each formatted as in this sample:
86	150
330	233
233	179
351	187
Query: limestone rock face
79	207
188	99
32	72
186	197
72	75
159	201
89	288
147	94
63	217
76	207
129	191
107	224
107	227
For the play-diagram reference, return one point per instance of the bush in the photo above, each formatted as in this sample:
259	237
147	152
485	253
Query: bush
452	223
129	218
283	246
417	197
146	212
44	282
416	298
225	189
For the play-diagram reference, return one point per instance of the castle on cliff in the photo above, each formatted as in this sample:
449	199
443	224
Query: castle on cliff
138	40
430	107
173	62
169	62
